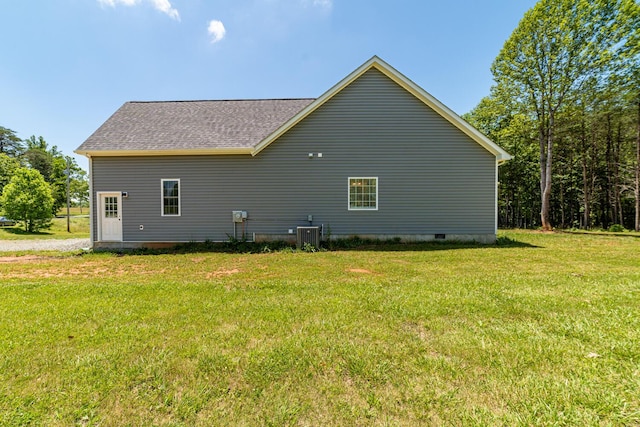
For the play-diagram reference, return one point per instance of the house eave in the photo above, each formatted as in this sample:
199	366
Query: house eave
504	159
182	152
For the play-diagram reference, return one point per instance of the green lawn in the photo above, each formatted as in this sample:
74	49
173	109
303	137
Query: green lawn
79	226
543	329
73	211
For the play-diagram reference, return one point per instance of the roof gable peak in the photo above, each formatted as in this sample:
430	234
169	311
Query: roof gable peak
393	74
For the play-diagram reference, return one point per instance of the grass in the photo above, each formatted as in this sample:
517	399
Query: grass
626	233
540	330
79	226
73	211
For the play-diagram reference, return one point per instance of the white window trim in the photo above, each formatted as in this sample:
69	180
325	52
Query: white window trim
349	193
162	181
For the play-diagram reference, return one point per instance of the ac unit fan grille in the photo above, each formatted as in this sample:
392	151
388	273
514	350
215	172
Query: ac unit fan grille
310	235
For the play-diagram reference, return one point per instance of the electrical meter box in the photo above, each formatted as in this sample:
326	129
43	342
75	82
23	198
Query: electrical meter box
239	216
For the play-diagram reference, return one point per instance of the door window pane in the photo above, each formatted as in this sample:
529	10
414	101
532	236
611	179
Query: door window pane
111	207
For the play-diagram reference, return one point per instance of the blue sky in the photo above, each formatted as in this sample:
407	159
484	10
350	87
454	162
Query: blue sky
69	64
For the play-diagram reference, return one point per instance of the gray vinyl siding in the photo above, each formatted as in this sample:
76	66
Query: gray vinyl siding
432	178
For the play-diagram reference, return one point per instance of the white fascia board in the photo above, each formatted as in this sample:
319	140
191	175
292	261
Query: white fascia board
183	152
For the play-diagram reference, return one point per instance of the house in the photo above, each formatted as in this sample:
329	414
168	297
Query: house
374	156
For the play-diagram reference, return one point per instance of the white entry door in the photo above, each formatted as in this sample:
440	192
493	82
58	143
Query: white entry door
110	216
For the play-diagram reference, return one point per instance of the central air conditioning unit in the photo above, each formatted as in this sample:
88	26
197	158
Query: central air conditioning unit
310	235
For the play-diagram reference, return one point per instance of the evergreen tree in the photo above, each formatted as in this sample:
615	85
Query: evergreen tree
10	144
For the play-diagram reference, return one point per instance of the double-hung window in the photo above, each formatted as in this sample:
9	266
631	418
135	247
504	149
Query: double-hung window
363	193
170	197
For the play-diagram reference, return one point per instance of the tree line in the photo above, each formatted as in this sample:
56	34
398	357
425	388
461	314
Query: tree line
33	180
566	105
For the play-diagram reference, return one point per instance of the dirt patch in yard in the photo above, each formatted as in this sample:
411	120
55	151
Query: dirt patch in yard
359	270
22	259
60	268
222	272
51	266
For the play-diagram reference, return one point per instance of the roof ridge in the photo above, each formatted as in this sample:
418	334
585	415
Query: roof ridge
219	100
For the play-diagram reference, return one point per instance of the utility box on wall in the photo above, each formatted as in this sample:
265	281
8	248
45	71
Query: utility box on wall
239	216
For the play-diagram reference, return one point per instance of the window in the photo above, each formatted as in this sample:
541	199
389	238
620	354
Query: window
111	207
170	197
363	193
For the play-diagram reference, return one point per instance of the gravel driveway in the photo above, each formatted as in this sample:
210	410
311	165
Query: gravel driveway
64	245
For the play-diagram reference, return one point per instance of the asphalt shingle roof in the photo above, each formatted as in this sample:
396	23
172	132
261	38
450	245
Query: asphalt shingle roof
185	125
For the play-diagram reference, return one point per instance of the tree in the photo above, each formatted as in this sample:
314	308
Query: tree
556	48
39	157
58	182
10	144
8	166
52	165
498	118
636	190
58	179
80	189
629	74
27	199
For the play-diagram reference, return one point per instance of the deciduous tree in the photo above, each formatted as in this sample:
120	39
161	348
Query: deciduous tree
8	166
27	199
498	118
557	47
80	189
38	156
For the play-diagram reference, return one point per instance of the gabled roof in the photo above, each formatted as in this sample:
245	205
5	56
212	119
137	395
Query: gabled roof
190	127
237	127
409	86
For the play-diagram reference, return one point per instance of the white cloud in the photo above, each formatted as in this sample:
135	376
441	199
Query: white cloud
216	30
163	6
